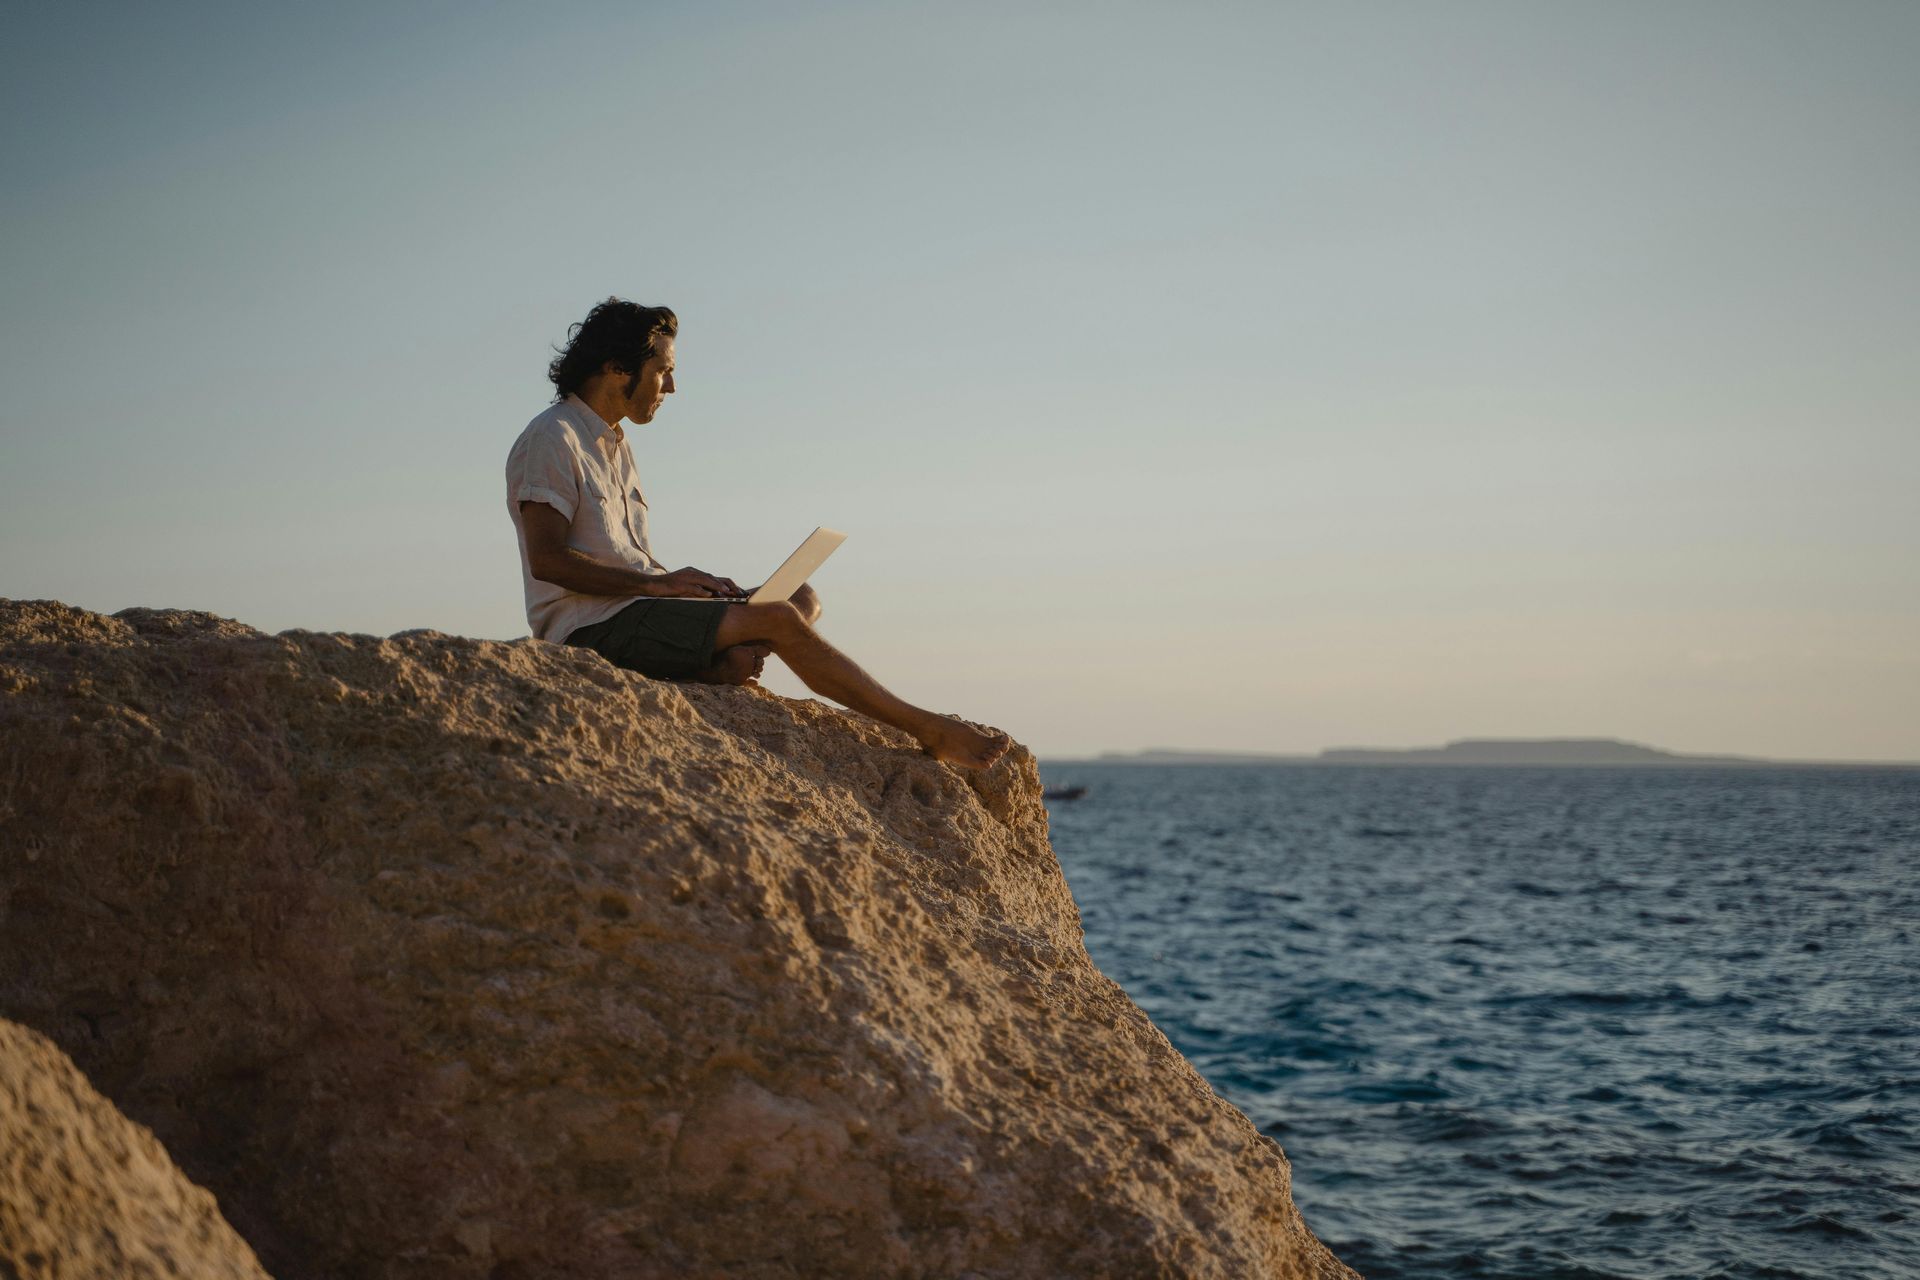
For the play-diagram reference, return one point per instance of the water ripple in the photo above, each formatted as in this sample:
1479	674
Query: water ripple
1534	1024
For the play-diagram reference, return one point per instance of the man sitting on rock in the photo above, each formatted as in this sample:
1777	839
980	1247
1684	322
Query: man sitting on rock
591	578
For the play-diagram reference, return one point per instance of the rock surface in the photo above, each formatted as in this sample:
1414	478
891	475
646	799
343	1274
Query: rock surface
437	957
86	1194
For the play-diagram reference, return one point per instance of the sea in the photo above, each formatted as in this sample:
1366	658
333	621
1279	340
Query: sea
1538	1023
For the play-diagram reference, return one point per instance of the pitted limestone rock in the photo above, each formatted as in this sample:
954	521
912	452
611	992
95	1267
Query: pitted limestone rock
437	957
86	1194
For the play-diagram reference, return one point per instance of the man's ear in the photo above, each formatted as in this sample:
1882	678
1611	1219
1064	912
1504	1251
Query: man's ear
613	369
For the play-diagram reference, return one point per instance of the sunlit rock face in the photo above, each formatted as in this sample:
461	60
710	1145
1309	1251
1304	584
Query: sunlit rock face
86	1194
438	957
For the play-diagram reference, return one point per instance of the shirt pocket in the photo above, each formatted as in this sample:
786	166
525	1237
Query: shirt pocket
637	520
593	498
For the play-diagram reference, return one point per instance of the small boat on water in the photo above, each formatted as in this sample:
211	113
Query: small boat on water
1062	793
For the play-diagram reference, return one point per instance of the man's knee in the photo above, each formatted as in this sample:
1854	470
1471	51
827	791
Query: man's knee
785	620
777	623
807	601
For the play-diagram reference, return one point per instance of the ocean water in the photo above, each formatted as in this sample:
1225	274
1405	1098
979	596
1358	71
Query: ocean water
1539	1024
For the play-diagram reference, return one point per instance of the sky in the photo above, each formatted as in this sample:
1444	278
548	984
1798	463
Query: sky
1259	377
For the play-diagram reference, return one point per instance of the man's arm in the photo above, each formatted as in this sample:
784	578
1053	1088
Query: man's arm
550	559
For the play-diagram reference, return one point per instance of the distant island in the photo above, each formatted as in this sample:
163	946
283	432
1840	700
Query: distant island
1559	752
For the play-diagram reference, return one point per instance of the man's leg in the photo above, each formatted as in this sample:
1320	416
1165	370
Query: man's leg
832	674
743	663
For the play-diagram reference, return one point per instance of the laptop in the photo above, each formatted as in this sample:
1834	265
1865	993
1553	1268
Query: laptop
799	566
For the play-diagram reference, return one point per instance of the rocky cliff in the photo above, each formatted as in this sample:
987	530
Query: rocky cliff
86	1193
435	957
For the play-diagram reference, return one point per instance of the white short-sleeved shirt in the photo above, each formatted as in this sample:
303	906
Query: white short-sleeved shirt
581	467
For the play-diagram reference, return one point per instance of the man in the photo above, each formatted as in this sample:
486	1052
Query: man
590	575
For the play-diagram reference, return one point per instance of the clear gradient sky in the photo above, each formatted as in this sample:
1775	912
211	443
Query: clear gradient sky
1251	376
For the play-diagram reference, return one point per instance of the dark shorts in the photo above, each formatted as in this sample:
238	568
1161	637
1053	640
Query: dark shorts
666	639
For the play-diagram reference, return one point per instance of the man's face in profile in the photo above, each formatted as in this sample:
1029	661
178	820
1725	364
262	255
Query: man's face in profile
649	388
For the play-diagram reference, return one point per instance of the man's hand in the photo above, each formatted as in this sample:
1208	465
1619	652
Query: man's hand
693	582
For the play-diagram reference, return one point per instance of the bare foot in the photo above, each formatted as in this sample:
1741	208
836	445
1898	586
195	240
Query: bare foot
956	742
742	664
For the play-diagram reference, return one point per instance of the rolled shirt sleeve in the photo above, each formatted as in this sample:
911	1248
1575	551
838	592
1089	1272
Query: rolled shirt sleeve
541	468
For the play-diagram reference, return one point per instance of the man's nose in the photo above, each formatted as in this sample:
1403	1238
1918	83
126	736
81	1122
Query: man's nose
667	386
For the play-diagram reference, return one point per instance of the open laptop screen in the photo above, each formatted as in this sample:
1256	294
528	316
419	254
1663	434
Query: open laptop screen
799	566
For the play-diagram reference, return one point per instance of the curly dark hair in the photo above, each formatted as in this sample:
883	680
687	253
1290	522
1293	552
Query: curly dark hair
615	332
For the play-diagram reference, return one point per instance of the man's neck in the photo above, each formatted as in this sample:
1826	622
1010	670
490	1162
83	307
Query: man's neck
606	406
